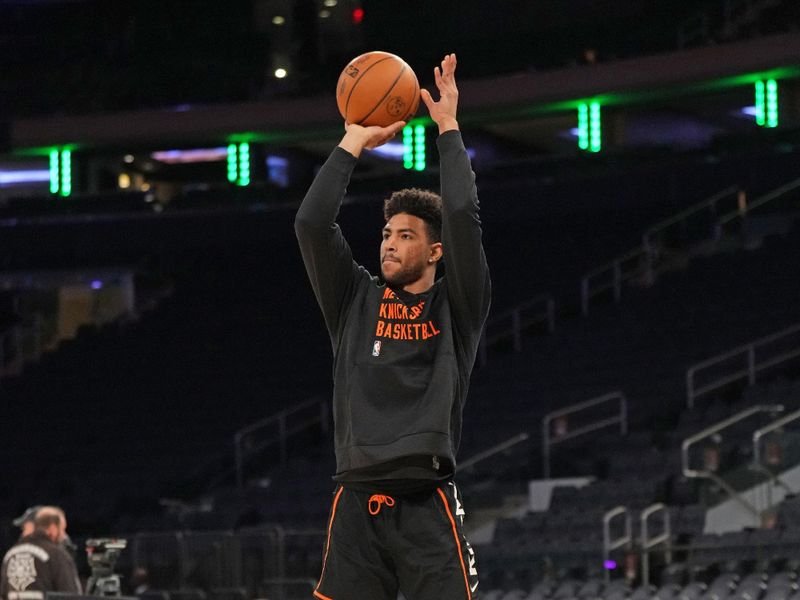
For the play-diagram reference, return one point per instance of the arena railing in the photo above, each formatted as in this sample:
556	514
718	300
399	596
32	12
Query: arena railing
560	416
762	466
701	222
494	450
249	559
703	216
643	262
744	362
647	543
511	323
249	440
708	473
610	544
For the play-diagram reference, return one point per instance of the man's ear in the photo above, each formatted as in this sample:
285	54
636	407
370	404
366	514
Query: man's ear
435	254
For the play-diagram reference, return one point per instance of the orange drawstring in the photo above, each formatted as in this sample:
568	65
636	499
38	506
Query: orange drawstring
376	501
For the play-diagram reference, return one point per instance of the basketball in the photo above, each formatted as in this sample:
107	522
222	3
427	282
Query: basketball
377	88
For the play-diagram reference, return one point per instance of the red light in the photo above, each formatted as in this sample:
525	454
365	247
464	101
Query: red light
358	15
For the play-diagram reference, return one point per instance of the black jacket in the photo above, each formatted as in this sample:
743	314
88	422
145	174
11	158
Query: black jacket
402	362
35	565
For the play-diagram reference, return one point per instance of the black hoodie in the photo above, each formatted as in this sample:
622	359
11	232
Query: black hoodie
401	361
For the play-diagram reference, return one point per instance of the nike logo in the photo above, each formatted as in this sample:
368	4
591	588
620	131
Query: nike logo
473	587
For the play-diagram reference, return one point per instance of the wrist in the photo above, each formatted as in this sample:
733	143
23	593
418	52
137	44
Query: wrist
353	143
447	124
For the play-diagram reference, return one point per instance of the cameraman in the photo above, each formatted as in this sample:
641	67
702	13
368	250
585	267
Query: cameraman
38	563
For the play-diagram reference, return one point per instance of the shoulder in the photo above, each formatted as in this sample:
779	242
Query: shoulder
30	547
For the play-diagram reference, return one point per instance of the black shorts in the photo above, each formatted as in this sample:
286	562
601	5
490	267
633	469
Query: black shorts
378	545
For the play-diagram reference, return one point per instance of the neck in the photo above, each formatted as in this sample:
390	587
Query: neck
423	284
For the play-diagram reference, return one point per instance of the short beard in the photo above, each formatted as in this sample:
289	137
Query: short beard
404	276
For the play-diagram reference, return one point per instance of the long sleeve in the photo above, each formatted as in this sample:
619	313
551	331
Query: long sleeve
65	574
466	269
326	254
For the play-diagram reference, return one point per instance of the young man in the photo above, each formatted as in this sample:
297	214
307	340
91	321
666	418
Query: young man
403	354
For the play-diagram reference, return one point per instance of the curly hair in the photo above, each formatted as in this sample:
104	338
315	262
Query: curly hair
420	203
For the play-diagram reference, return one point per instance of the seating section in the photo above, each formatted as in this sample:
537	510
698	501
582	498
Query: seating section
143	412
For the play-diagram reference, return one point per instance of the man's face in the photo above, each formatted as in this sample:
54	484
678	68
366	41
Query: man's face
405	250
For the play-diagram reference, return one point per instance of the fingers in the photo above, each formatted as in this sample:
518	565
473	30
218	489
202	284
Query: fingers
445	77
426	98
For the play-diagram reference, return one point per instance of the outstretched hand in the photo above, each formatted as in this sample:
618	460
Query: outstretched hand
358	137
444	111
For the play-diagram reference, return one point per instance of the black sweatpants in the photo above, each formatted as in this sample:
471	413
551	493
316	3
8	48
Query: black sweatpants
378	544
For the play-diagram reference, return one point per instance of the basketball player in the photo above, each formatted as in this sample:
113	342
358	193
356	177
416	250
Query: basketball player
404	346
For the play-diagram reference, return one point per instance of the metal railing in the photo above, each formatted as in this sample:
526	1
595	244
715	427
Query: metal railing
753	364
773	478
611	276
511	323
648	543
313	412
623	541
708	209
707	473
548	441
642	262
743	209
494	450
249	560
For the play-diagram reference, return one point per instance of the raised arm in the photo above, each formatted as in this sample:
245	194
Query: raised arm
326	254
467	272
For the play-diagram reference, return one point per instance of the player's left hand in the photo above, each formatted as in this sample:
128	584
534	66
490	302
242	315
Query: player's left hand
444	111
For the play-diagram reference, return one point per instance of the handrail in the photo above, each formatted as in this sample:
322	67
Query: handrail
753	367
646	251
761	201
769	428
717	427
618	276
279	418
548	443
610	545
708	432
710	202
496	449
758	465
648	542
516	314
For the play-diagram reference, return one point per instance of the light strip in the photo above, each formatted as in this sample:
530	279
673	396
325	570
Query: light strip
193	155
26	176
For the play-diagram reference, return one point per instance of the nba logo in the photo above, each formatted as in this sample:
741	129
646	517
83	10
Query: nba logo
376	348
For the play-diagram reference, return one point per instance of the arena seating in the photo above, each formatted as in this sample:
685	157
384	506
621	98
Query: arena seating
199	354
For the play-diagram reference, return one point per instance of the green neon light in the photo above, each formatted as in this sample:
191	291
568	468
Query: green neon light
772	103
66	172
408	147
244	164
419	148
54	183
233	167
595	132
583	127
761	104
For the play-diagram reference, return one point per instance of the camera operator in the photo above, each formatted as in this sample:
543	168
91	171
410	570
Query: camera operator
25	522
38	563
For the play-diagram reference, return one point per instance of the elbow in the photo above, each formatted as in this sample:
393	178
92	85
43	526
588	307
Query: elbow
302	222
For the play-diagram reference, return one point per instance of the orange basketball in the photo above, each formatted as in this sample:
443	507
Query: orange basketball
377	88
